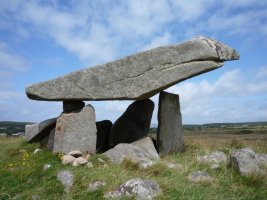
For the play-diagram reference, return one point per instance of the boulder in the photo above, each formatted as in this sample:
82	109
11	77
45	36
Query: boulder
103	130
247	162
200	176
76	131
133	124
137	187
66	178
36	132
214	159
72	105
169	134
141	152
139	76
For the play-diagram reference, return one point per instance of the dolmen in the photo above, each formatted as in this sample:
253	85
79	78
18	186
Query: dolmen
137	77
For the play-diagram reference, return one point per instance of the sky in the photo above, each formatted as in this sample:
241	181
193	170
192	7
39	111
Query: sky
42	40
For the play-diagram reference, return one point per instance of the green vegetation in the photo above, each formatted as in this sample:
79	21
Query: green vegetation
10	128
21	173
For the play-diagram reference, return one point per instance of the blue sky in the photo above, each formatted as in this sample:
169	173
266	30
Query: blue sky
41	40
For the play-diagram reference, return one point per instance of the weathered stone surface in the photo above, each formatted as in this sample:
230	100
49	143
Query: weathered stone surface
50	142
133	124
75	153
140	188
200	176
67	159
79	161
95	185
139	76
214	159
247	162
66	178
36	132
169	134
69	106
76	131
103	130
141	152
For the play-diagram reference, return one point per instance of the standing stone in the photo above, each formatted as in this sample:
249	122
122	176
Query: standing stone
36	132
76	131
50	142
170	136
133	124
103	130
69	106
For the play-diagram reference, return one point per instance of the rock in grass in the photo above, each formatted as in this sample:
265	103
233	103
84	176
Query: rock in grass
140	188
247	162
76	130
46	167
200	176
37	151
141	152
75	153
139	76
96	185
79	161
67	159
215	159
133	124
66	178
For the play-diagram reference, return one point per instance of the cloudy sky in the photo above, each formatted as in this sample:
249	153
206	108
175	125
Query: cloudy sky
41	40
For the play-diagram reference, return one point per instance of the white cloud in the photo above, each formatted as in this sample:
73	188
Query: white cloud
158	41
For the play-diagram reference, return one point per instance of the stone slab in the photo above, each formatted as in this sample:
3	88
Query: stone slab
139	76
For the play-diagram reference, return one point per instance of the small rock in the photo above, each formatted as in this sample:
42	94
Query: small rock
171	165
87	156
37	151
46	166
141	188
67	159
75	153
199	176
89	164
101	160
79	161
214	157
66	178
95	185
36	197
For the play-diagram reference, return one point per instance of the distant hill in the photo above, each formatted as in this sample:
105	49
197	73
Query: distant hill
9	128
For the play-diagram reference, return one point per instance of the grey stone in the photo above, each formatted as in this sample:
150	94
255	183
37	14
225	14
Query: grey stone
139	76
103	130
247	162
75	153
141	152
137	187
36	132
172	165
200	176
66	177
169	134
72	105
79	161
67	159
133	124
50	142
96	185
214	159
76	131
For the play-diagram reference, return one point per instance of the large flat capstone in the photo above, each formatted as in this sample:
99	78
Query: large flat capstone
139	76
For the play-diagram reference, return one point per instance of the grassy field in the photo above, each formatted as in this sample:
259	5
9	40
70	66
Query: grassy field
21	173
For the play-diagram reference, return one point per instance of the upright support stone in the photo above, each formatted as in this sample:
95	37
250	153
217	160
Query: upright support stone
169	136
76	131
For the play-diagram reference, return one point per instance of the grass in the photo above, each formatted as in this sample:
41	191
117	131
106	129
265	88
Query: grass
21	173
